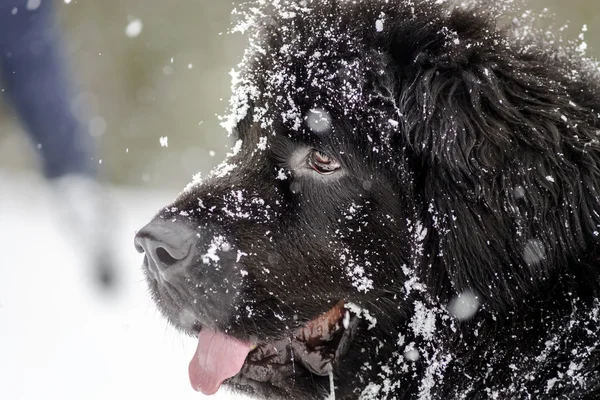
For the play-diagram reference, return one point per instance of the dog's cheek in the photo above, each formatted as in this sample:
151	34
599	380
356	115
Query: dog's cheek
286	286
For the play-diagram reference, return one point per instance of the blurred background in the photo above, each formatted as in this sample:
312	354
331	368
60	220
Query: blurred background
170	80
143	70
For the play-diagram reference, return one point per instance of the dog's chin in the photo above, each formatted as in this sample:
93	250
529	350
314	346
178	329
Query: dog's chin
303	357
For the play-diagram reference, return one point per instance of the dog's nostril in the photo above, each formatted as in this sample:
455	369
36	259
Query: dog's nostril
166	244
164	256
139	248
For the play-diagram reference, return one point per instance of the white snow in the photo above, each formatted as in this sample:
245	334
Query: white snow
371	392
534	252
582	47
217	243
134	28
464	306
236	148
519	192
346	320
410	353
423	321
550	384
33	4
331	395
281	174
361	312
318	120
222	170
262	143
239	105
239	256
60	338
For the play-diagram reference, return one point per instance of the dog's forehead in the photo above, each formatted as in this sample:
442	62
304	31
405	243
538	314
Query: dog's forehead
299	72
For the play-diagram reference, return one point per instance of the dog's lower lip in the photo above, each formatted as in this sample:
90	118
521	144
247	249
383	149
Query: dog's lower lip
317	346
196	326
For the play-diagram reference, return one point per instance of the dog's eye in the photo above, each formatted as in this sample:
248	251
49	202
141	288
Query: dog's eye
322	163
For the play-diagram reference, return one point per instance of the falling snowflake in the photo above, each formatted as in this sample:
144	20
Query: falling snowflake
134	28
464	306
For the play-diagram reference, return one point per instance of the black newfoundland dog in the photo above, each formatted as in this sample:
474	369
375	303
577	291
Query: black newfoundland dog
411	211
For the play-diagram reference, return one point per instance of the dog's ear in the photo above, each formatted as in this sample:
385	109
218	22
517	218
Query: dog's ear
505	152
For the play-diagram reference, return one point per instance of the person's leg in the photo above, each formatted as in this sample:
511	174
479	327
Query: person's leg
34	74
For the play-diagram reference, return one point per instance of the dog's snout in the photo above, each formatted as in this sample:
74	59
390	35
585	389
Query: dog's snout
167	244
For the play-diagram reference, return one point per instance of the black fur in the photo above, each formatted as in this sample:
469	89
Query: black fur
470	164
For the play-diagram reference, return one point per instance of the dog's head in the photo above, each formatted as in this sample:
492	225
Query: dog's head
369	177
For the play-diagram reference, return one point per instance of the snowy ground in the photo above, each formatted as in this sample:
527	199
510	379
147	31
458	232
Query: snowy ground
59	339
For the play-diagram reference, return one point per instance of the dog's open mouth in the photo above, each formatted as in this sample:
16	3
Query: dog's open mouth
317	347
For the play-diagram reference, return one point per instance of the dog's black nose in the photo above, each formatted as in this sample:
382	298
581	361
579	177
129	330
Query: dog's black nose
168	246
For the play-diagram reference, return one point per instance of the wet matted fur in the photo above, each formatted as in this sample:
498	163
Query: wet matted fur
397	156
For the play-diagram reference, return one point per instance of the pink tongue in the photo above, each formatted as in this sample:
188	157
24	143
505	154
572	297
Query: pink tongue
217	358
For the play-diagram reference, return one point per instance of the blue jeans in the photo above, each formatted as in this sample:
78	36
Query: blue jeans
35	78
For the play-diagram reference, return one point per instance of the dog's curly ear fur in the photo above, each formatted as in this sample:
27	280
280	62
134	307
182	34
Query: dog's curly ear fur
501	143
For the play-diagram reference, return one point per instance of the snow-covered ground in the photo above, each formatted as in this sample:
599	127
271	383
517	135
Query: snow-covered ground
60	339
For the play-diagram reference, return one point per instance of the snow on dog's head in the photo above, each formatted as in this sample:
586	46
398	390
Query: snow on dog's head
370	195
